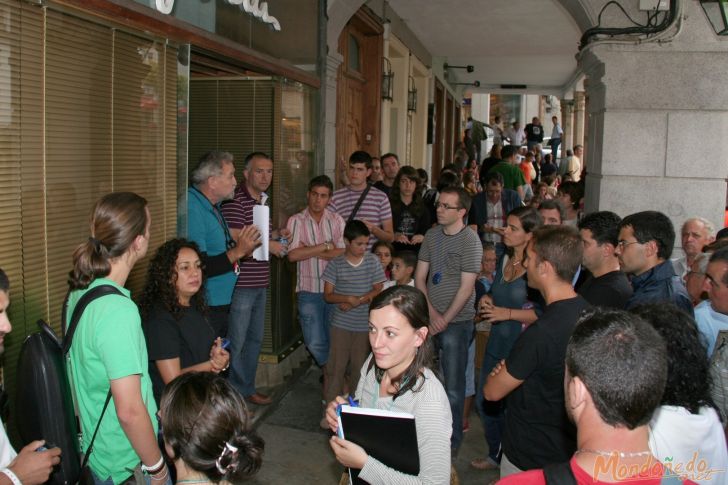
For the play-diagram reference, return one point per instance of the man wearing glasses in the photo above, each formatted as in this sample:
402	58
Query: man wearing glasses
449	263
644	247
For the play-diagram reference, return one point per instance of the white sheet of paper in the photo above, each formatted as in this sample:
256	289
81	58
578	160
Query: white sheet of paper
261	220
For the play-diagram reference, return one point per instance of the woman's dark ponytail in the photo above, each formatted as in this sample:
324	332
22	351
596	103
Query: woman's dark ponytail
116	220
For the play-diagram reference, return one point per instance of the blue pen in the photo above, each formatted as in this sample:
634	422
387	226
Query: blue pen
353	404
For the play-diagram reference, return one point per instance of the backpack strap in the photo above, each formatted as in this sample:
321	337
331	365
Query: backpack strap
559	474
93	438
358	203
83	302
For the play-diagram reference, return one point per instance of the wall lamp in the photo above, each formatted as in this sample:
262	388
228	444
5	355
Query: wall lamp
468	68
411	96
717	13
387	80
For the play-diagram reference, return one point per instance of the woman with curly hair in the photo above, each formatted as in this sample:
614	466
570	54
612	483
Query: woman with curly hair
410	218
179	336
686	427
207	431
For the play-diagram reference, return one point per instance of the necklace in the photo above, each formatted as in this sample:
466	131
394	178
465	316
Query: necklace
615	452
194	480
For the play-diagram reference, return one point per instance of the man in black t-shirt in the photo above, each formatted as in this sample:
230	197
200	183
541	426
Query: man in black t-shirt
537	430
608	286
534	133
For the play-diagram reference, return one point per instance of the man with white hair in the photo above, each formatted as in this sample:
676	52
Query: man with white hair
696	233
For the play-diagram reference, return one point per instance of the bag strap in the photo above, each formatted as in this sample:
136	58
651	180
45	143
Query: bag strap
83	302
93	438
559	474
358	203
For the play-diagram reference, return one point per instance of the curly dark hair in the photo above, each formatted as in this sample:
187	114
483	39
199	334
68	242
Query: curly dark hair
688	368
162	278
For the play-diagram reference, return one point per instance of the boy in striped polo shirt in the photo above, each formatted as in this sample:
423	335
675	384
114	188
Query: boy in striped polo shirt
351	281
374	210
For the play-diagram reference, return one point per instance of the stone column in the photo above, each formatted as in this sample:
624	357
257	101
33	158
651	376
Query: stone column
579	102
658	124
567	124
332	65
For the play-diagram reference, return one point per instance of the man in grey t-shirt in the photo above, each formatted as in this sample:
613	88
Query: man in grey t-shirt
449	263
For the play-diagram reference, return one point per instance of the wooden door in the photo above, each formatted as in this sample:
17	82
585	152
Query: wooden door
449	130
437	144
358	103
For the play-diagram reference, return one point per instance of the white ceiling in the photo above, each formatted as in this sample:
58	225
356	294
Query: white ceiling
530	42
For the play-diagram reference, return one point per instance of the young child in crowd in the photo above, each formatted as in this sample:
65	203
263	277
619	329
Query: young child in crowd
403	268
384	250
482	286
351	281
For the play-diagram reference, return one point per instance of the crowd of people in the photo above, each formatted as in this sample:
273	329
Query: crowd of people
596	364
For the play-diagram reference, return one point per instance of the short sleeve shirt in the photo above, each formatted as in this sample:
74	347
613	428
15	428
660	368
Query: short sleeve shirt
450	256
305	231
208	229
374	208
353	280
238	213
537	430
108	344
189	339
512	175
611	290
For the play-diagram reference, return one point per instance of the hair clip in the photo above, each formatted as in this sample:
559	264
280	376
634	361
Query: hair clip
227	448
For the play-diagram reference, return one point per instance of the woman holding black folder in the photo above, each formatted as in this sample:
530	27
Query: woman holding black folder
398	377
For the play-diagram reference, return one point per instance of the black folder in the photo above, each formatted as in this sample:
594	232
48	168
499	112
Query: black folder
388	436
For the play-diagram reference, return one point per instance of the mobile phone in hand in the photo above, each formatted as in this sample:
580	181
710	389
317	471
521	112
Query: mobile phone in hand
225	344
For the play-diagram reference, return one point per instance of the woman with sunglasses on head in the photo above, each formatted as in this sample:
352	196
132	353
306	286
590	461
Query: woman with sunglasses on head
179	336
398	376
508	307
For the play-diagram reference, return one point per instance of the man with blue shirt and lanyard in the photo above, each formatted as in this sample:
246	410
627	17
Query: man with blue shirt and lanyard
213	181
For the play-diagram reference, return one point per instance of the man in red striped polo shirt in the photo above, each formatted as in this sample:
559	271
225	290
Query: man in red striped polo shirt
247	309
317	236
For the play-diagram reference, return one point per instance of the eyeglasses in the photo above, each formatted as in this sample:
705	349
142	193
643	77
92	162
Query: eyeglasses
623	244
446	207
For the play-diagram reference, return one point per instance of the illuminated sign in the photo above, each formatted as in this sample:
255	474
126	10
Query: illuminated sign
256	8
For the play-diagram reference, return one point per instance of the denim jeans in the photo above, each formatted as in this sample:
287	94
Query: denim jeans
470	371
502	337
245	331
555	142
314	314
452	346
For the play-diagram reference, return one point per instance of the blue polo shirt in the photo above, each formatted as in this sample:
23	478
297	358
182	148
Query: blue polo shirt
208	229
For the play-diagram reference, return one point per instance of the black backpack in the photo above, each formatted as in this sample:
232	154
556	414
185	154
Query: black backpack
44	405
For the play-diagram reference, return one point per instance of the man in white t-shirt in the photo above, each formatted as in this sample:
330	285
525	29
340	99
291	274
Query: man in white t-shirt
30	466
